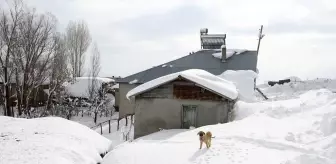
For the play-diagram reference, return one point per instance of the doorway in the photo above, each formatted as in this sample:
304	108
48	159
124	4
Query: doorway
189	116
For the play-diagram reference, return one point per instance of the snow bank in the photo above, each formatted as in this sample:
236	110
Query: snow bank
201	77
229	53
49	140
80	87
296	87
294	131
244	81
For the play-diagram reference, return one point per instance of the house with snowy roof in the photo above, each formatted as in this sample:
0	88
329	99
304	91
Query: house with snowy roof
190	98
213	58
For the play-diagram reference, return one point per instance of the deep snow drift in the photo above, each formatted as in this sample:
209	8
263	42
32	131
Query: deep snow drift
295	88
244	81
295	130
51	140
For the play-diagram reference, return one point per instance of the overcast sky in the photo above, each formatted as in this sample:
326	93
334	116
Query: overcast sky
134	35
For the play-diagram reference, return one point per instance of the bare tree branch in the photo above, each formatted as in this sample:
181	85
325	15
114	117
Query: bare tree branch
94	87
78	41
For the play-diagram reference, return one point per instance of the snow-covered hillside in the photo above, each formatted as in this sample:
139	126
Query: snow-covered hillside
51	140
298	128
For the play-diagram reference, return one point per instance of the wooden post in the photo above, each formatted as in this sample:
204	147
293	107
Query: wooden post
101	129
109	126
118	125
132	118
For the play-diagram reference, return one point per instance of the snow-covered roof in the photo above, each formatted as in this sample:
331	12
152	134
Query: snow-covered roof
102	79
200	59
115	86
80	87
203	78
51	140
229	53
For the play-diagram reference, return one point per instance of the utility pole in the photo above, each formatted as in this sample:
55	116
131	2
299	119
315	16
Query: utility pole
261	35
8	110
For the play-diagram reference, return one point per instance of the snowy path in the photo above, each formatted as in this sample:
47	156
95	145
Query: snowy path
224	150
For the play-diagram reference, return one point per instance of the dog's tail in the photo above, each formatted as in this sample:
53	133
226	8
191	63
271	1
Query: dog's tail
209	134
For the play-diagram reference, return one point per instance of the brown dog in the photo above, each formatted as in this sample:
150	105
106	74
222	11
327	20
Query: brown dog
206	138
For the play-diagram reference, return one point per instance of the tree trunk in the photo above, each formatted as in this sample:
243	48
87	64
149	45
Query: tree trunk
19	105
8	110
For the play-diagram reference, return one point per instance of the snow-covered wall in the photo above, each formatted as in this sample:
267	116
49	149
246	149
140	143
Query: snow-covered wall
244	81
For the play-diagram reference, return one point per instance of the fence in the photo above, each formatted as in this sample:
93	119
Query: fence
109	123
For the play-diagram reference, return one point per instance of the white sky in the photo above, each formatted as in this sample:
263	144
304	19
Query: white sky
134	35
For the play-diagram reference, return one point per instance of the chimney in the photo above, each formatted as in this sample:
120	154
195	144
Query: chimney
223	47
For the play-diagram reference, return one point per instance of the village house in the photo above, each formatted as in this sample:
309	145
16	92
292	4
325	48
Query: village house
213	58
180	100
38	96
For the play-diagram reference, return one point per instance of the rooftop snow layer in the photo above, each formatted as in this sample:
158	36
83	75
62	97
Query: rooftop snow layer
102	79
115	86
51	140
229	53
80	87
205	79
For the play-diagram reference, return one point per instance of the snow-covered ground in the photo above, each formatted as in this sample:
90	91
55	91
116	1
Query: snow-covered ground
88	120
51	140
118	136
296	126
295	88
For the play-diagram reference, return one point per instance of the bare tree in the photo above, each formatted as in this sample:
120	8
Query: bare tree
78	41
33	58
94	87
9	40
59	72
